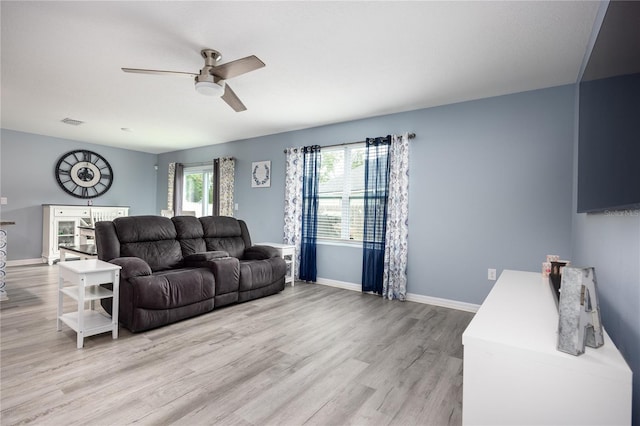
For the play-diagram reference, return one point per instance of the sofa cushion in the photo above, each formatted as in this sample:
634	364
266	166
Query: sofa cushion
144	228
260	273
160	255
223	233
232	245
220	226
151	238
174	288
189	234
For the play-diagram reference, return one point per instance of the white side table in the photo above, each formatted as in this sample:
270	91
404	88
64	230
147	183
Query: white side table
85	277
288	253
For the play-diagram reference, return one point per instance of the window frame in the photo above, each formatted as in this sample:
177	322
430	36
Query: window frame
207	171
345	197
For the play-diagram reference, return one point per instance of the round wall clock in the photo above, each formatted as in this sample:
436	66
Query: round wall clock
84	174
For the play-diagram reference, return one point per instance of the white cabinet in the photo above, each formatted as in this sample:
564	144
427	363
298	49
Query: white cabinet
514	375
60	226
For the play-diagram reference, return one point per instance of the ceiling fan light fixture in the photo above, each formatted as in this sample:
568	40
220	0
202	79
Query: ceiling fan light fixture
211	79
209	88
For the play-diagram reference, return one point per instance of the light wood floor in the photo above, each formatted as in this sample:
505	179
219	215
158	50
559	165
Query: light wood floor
309	355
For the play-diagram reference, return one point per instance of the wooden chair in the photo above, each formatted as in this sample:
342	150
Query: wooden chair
102	215
87	233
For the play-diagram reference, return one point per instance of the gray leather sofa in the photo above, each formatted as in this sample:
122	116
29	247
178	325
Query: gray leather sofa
181	267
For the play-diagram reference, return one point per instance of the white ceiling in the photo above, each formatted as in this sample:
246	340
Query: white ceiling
326	62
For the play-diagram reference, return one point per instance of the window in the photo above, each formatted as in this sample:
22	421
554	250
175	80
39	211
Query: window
197	192
341	193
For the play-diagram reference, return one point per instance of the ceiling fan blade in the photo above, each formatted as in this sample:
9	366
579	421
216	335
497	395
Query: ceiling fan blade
143	71
237	67
232	100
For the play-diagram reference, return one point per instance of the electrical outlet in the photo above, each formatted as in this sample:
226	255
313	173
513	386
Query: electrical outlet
491	275
3	200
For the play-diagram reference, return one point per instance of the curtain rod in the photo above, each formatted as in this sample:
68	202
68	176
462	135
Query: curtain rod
206	163
411	136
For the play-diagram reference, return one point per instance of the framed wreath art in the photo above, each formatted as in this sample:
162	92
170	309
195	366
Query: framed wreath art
261	174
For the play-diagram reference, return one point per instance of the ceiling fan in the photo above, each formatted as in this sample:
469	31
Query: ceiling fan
211	78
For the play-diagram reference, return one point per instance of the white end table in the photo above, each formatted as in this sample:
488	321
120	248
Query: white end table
288	253
85	277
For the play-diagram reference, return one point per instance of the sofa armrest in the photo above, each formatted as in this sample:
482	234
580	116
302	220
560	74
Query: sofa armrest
196	258
260	253
131	267
226	272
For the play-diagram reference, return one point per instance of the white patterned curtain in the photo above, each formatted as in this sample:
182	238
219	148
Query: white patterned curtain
226	186
172	178
293	200
395	254
174	189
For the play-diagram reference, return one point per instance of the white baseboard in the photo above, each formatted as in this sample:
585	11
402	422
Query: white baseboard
339	284
445	303
23	262
418	298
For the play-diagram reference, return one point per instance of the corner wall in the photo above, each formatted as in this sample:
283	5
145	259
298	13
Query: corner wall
27	179
610	242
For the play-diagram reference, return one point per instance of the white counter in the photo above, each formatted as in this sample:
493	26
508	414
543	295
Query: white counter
513	373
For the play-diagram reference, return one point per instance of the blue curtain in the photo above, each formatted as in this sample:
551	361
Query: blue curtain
376	190
310	181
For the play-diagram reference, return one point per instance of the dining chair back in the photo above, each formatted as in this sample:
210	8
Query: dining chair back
101	215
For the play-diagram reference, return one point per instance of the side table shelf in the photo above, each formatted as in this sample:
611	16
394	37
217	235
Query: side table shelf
85	277
94	323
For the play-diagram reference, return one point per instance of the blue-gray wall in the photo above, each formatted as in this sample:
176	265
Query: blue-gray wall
27	179
490	187
611	243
